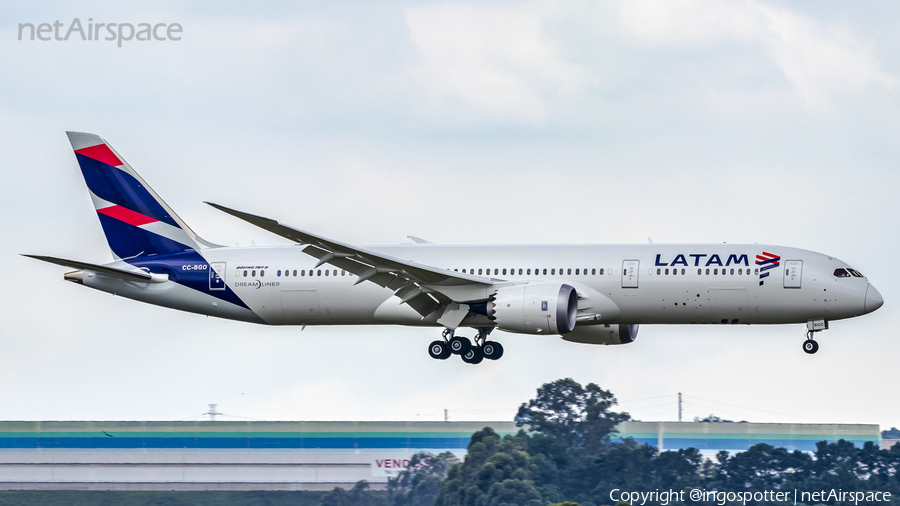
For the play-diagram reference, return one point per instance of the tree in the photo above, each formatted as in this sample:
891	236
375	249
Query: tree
572	414
711	418
359	495
496	472
421	481
763	467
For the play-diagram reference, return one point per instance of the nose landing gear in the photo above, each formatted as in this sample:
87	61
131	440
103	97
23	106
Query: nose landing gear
810	346
471	353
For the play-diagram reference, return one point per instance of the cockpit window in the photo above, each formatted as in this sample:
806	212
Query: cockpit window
841	273
856	273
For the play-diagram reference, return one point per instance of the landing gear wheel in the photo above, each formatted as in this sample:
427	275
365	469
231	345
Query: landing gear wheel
439	350
473	356
810	346
492	350
460	345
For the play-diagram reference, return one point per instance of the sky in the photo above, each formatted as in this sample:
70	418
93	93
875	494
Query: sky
485	122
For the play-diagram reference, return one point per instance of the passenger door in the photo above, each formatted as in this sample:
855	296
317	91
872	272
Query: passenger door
630	269
793	269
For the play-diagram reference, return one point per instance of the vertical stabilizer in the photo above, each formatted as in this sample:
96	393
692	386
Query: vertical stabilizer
136	221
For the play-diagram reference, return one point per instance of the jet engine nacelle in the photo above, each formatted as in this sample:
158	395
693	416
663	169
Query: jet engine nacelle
603	334
536	308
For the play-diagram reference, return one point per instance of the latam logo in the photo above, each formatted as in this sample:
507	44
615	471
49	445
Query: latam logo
766	262
698	259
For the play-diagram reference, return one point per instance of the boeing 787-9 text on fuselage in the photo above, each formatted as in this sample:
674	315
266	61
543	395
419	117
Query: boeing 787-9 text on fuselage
593	294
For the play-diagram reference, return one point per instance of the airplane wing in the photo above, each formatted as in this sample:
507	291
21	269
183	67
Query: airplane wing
406	277
139	276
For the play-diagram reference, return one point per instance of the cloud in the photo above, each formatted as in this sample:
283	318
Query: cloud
495	61
820	61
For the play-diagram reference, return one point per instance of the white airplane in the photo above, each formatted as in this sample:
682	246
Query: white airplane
593	294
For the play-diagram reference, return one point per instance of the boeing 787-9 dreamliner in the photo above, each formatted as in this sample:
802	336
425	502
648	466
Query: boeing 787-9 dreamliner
585	293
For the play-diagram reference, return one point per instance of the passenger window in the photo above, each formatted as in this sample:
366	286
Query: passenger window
732	272
577	271
334	272
529	272
504	272
658	271
682	272
326	272
496	271
667	271
593	272
479	272
278	273
569	271
715	271
262	273
253	273
318	272
464	271
601	272
520	272
343	273
699	271
553	272
755	271
740	271
245	274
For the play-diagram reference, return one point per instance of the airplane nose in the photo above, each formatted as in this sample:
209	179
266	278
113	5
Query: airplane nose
873	299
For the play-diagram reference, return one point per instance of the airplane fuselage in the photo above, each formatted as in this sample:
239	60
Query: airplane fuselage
649	283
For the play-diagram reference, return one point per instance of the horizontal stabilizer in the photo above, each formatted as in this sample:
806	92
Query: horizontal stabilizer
139	276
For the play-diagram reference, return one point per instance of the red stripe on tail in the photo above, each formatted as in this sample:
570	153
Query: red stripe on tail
126	215
101	153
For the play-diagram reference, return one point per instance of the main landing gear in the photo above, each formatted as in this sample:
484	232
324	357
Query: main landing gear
810	346
471	353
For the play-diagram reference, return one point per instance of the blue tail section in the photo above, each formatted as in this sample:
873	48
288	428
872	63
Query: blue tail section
136	222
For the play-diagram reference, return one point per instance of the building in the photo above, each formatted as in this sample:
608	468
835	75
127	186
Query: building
711	438
306	455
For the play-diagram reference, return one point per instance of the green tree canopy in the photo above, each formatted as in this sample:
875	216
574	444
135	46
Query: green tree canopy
572	414
421	481
496	472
